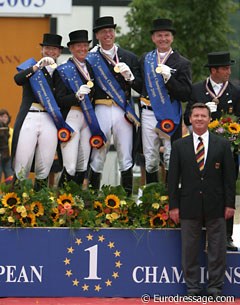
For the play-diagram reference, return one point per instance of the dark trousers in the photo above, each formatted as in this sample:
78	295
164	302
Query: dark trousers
191	233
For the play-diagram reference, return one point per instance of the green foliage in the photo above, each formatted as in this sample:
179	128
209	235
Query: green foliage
202	27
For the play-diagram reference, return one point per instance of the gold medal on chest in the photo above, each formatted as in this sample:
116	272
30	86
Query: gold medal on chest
90	84
215	100
116	69
158	69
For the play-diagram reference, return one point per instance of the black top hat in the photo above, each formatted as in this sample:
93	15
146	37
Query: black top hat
52	40
219	59
104	22
78	36
162	25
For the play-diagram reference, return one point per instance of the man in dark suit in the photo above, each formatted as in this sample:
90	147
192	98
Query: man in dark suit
166	82
116	71
202	192
222	97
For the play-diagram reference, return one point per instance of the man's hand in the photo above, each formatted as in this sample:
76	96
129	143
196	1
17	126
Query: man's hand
229	212
174	215
84	89
166	72
125	71
45	61
212	106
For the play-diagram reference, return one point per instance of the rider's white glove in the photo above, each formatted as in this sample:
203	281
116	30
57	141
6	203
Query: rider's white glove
212	106
166	72
125	71
45	61
84	89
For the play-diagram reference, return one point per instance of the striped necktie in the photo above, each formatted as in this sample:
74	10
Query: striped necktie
200	154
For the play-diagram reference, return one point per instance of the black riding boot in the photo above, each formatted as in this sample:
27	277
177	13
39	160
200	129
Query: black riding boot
65	177
94	179
127	181
40	183
79	177
151	177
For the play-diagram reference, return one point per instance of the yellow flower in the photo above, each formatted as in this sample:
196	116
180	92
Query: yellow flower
25	195
213	124
21	209
122	203
99	208
112	201
115	216
11	219
2	211
234	128
28	220
65	199
157	221
24	214
10	200
37	208
164	198
155	205
61	221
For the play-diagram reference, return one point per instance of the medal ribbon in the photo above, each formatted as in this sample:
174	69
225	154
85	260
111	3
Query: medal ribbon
72	80
44	95
84	73
108	58
167	113
107	82
165	58
220	93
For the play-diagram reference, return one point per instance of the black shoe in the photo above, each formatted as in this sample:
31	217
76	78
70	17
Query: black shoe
230	245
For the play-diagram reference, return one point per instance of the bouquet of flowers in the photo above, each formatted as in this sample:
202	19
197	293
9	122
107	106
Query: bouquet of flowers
228	127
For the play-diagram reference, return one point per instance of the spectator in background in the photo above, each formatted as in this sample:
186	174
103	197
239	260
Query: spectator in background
5	145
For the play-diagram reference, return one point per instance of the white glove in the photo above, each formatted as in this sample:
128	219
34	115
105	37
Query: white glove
45	61
212	106
125	71
84	89
166	72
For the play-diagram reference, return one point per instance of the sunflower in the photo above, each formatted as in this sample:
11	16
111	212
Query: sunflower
112	201
37	208
62	199
10	200
55	215
234	128
157	221
99	208
213	124
29	221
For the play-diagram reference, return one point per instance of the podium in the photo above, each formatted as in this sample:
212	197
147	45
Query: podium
62	262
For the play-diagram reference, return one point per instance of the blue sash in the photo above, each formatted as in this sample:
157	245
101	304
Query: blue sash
44	95
167	113
107	82
71	78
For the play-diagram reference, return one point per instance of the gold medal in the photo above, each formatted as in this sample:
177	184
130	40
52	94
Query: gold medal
90	84
158	69
116	69
215	100
53	66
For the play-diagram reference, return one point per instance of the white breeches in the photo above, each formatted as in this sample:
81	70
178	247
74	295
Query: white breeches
76	152
37	137
151	143
112	122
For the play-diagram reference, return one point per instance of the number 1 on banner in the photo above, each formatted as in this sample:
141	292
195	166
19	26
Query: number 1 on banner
93	258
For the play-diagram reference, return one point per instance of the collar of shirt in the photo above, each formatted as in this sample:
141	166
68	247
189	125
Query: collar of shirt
205	138
216	86
112	52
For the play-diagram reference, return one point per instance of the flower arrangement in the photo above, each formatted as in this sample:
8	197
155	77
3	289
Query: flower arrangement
228	127
72	207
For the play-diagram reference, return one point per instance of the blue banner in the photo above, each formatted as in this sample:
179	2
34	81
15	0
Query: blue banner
44	95
72	80
107	82
58	262
168	113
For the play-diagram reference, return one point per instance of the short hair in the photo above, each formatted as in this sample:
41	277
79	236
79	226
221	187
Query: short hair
199	105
